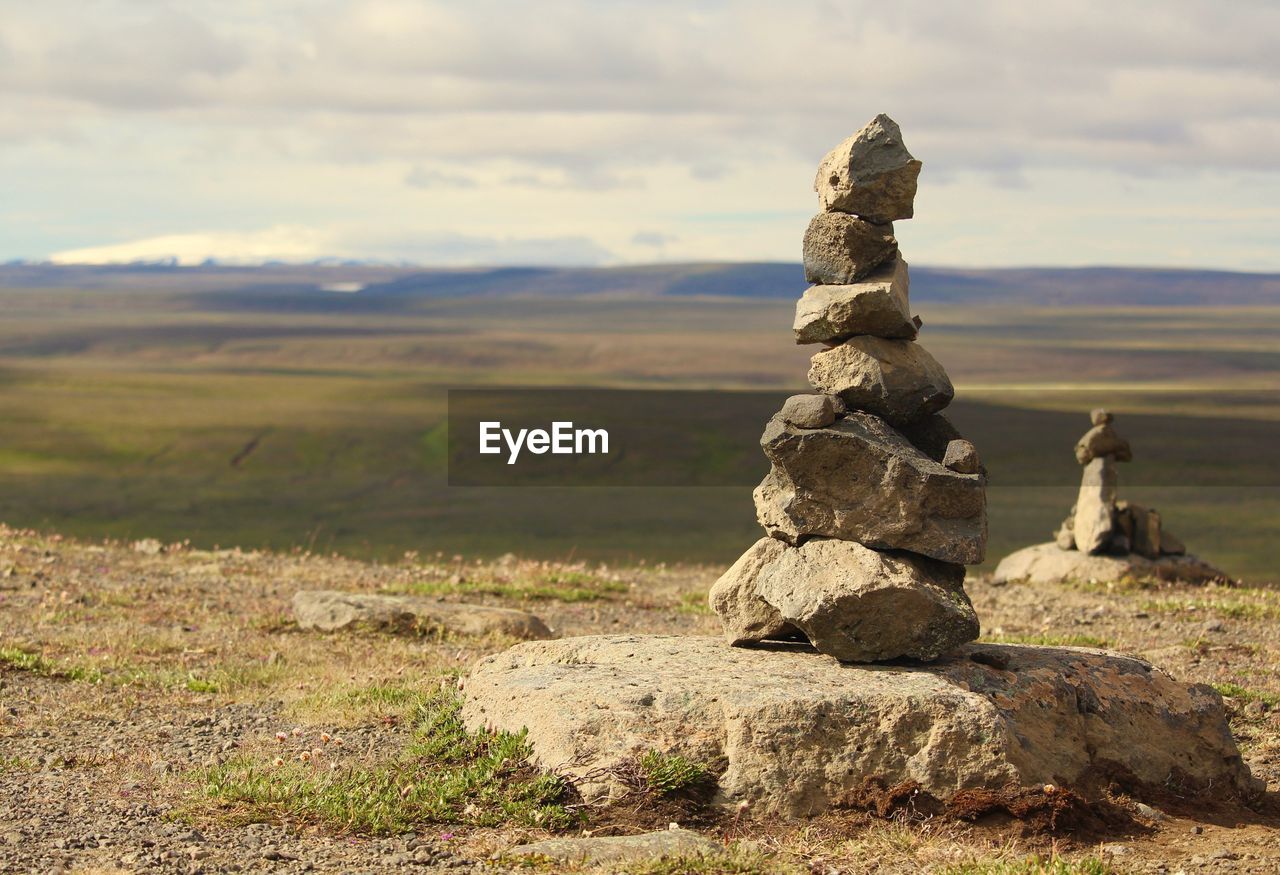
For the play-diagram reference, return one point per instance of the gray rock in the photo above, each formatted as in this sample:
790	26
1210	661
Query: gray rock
861	480
1141	525
863	605
328	610
1049	563
1094	522
871	174
744	615
808	411
962	456
877	305
663	844
1065	537
840	248
793	732
896	380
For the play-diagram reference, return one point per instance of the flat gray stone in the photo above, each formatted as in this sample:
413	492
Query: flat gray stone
1049	563
840	248
861	480
792	732
896	380
663	844
329	610
878	305
871	174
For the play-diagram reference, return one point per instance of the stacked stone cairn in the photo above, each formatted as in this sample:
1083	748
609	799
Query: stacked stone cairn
1100	524
874	502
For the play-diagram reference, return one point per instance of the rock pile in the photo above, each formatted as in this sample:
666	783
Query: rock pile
1104	538
874	502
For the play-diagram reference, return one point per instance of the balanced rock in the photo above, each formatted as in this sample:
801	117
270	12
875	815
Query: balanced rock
735	597
840	248
1141	527
896	380
962	456
795	733
871	174
862	480
1094	521
877	305
328	610
808	411
1102	440
863	605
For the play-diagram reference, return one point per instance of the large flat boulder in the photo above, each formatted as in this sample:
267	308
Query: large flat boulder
840	248
862	480
871	174
793	732
328	610
1049	563
896	380
878	305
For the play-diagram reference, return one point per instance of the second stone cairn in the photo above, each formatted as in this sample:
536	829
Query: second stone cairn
874	502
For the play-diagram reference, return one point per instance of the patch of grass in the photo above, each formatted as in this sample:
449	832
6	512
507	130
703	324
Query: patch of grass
668	774
1235	609
24	660
356	703
1034	866
1046	640
1245	694
563	586
445	775
693	603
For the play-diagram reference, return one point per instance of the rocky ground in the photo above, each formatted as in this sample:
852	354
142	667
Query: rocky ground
161	711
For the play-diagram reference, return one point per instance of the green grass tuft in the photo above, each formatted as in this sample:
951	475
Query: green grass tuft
445	775
668	774
1244	694
563	586
24	660
1045	640
1034	866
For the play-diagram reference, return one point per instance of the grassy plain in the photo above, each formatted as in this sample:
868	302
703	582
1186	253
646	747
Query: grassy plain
221	419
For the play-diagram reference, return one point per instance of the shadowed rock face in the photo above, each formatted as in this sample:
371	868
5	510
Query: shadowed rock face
896	380
861	480
871	174
797	731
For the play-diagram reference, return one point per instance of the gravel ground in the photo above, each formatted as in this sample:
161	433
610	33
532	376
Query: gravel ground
128	670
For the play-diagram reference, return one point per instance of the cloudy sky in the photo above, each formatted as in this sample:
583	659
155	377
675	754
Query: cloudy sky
610	131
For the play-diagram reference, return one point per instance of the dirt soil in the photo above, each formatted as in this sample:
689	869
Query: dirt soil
128	671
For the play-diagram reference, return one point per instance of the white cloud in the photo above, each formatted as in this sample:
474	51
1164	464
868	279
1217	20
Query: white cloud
576	120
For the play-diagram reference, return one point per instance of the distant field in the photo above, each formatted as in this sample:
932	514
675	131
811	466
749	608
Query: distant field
132	413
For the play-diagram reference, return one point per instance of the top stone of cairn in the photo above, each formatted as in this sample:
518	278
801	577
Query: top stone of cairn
871	174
